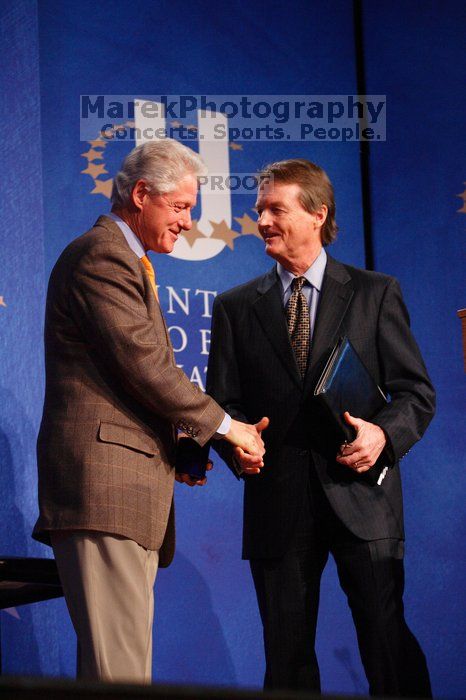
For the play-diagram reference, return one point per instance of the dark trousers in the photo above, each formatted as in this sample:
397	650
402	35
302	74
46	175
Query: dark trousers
372	576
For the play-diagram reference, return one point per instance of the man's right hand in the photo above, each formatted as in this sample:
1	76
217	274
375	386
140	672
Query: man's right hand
249	446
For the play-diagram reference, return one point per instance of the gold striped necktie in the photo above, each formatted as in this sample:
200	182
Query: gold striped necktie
151	274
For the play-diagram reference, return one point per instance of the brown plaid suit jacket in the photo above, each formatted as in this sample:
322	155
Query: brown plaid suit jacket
113	399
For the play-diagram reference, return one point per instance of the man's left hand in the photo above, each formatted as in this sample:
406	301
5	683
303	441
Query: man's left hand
186	479
364	451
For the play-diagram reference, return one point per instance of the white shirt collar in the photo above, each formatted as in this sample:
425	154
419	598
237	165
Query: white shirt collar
131	238
314	274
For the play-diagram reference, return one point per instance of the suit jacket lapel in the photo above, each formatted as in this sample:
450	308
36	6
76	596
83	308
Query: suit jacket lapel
153	305
336	295
271	316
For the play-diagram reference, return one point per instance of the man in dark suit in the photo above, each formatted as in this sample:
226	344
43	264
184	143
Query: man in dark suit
114	400
270	340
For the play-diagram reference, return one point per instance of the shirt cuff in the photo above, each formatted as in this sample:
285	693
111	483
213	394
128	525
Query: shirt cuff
223	428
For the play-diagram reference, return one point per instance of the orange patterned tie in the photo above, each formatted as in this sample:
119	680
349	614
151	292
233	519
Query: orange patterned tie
150	273
297	313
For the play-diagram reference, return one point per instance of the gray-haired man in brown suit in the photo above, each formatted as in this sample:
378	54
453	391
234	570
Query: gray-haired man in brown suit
114	399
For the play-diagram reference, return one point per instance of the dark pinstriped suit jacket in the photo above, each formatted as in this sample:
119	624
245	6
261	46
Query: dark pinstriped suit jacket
253	373
113	398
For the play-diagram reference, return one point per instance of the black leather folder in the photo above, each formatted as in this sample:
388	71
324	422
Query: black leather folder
346	385
191	458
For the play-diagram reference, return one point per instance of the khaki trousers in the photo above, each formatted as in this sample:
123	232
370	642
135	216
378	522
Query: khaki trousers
108	584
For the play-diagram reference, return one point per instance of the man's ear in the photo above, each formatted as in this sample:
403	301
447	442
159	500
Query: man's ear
321	215
138	194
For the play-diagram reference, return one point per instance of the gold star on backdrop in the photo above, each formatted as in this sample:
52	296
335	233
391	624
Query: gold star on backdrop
223	232
248	225
193	234
192	127
95	169
103	187
236	146
463	197
92	154
175	124
97	143
2	302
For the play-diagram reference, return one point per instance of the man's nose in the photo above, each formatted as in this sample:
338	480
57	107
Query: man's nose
186	221
263	220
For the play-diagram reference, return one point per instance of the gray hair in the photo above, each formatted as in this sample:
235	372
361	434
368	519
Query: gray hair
162	164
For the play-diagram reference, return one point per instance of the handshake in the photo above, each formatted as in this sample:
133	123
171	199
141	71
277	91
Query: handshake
248	445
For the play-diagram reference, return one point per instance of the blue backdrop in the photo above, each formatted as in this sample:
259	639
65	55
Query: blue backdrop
55	186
